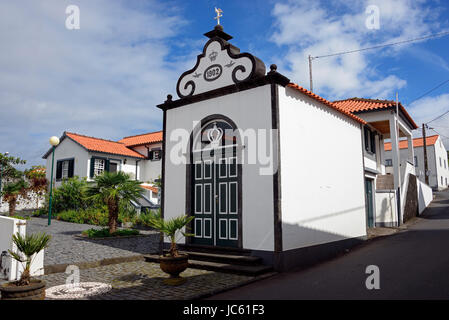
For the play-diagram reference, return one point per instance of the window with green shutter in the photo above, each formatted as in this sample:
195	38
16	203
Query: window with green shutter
98	166
65	169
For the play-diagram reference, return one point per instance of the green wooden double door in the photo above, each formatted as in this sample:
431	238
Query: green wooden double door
215	199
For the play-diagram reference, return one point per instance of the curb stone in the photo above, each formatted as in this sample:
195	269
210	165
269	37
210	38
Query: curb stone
82	237
60	268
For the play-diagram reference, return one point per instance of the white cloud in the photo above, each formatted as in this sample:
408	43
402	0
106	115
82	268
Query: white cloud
321	28
102	80
427	109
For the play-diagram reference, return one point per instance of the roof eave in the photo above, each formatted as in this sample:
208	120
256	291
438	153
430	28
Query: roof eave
412	123
328	103
141	144
116	154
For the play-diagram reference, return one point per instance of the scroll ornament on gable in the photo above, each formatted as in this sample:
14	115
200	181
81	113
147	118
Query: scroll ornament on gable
221	64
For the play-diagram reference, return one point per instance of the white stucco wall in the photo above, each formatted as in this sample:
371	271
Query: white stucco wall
442	171
12	270
128	167
249	109
425	195
386	208
151	170
434	152
68	149
321	173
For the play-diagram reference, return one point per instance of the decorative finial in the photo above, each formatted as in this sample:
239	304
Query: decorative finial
219	15
273	67
169	98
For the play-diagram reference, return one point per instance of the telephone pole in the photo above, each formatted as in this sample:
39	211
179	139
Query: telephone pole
425	153
310	72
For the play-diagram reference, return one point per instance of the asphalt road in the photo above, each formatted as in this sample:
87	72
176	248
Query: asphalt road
413	264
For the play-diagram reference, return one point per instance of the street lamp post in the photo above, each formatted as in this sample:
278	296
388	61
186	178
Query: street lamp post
54	141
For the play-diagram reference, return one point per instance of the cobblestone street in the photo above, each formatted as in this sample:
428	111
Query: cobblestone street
142	280
65	247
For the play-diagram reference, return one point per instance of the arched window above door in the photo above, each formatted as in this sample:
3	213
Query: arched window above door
216	133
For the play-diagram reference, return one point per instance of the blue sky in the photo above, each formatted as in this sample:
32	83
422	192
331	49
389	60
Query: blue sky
105	79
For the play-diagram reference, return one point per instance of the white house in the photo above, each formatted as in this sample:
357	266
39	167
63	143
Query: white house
437	160
264	165
84	156
392	198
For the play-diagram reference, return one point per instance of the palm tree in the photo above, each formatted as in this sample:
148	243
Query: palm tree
11	191
111	189
170	228
28	246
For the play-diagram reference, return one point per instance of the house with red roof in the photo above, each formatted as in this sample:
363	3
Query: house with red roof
389	199
437	162
85	157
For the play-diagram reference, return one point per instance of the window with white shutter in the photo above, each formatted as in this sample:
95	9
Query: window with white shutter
99	166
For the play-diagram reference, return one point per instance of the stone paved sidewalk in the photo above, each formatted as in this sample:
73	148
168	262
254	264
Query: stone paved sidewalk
66	248
142	280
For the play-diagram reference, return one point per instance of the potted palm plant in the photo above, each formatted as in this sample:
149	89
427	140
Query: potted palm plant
26	288
172	263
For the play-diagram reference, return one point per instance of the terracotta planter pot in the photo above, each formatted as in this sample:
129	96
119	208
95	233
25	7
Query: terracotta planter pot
174	266
34	291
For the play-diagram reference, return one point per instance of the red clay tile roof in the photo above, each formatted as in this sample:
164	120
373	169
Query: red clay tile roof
417	142
154	189
102	145
326	102
355	105
141	139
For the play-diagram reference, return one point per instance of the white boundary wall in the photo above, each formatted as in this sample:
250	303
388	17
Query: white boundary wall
386	208
12	269
406	170
34	202
425	195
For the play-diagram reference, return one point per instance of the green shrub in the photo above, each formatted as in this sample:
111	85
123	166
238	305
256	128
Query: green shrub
104	233
144	218
92	215
20	217
39	212
71	195
96	215
127	212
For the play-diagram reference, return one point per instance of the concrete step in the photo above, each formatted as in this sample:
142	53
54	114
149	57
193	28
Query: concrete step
215	250
223	258
385	182
252	270
248	270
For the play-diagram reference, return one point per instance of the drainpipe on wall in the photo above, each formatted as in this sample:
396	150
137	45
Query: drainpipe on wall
137	165
399	205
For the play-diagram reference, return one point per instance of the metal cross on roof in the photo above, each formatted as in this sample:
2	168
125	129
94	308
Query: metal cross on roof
219	14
